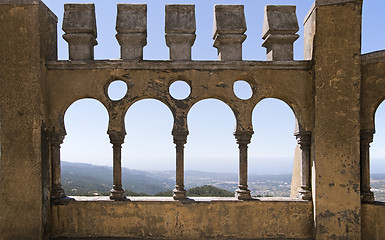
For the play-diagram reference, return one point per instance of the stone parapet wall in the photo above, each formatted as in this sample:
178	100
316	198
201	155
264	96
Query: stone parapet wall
203	218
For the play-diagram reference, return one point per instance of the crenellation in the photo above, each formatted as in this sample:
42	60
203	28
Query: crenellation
280	26
228	32
131	28
79	25
334	94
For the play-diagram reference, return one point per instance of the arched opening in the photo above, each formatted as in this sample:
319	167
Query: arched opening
271	151
148	152
86	152
377	156
211	151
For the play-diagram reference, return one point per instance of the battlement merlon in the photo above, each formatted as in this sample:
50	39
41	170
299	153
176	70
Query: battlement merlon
180	30
79	25
228	32
131	28
280	26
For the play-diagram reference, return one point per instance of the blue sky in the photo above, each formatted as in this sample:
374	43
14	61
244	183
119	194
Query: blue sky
211	145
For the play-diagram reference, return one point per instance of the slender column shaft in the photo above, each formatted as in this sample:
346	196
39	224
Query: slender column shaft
243	139
180	139
117	139
117	165
304	140
179	165
57	193
366	139
242	166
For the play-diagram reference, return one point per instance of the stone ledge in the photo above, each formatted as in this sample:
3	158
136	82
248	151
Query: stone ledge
191	199
183	65
372	57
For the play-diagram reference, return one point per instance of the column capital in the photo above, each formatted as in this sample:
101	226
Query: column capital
56	137
303	138
116	137
180	137
366	136
243	137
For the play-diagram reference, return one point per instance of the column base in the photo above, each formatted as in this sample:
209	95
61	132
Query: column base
117	194
59	197
242	194
304	194
367	196
179	194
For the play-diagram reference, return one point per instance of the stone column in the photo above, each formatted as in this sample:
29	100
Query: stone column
131	28
243	139
279	32
229	29
180	139
57	193
304	140
366	139
180	30
117	191
79	25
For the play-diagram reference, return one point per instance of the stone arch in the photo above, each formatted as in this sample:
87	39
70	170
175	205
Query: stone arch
212	135
100	111
146	128
68	105
220	99
270	106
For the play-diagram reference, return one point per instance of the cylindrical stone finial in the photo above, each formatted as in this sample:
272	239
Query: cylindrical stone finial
279	32
180	29
229	29
79	25
131	28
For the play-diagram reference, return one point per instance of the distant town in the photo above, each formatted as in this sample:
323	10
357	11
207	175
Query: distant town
80	179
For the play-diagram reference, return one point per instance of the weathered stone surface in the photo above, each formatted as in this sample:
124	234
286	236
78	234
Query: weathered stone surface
28	38
334	95
180	30
229	29
336	134
79	25
167	219
279	32
131	27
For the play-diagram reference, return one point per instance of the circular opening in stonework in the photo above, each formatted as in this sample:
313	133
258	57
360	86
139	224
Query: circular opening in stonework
117	90
242	90
180	90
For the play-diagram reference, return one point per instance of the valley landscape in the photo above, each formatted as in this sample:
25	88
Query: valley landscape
80	179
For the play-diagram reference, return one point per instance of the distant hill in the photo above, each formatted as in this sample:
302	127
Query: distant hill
87	179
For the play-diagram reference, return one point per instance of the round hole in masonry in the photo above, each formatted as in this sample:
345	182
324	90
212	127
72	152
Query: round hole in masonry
180	90
242	90
117	90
